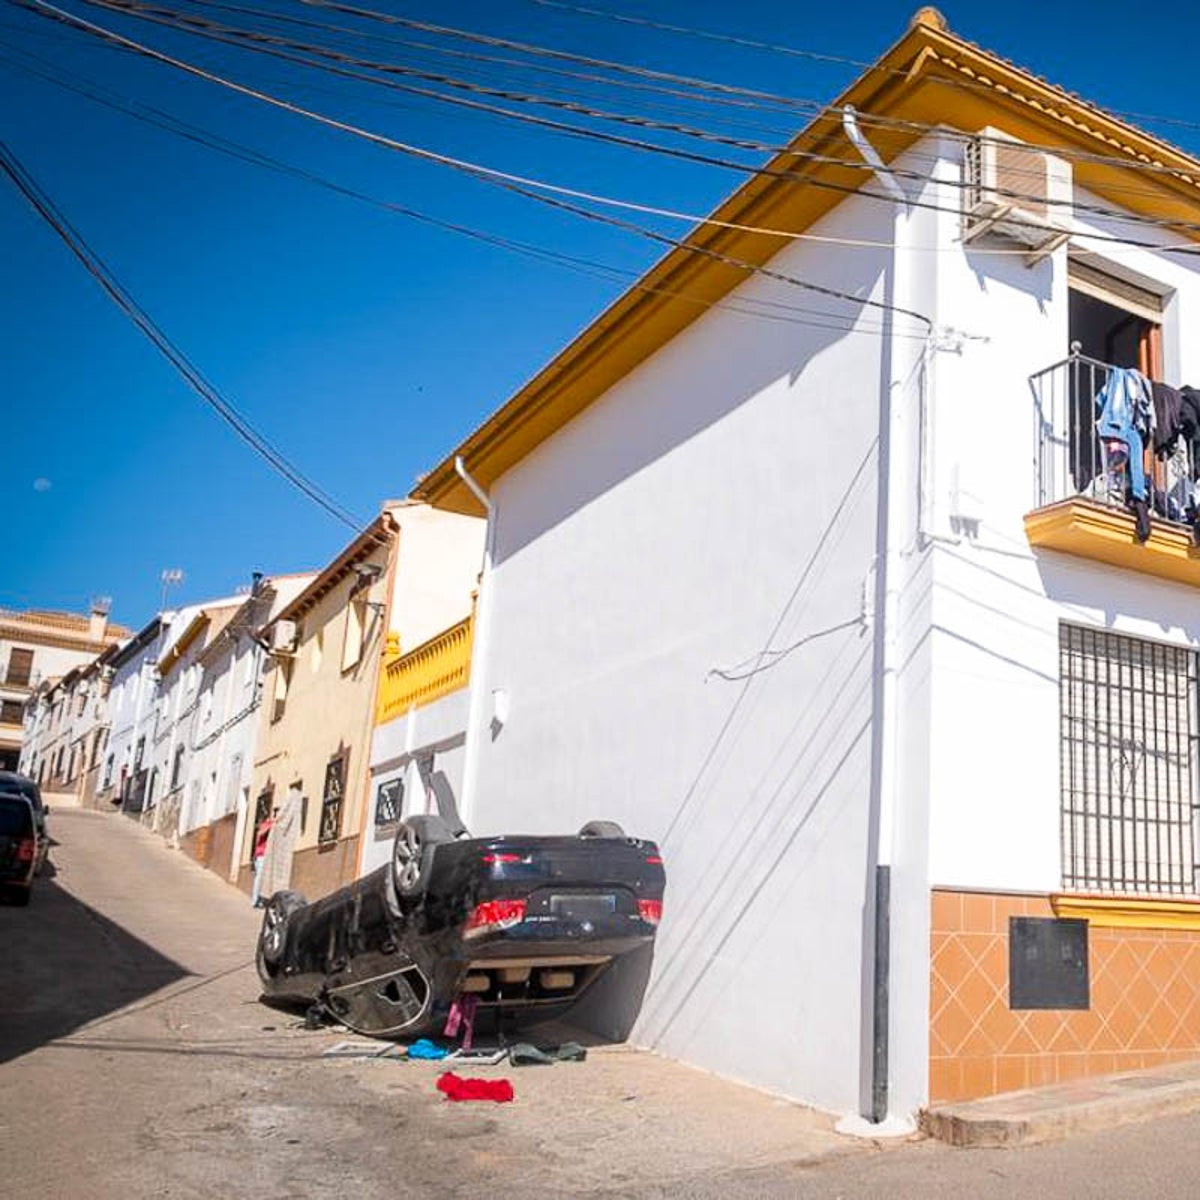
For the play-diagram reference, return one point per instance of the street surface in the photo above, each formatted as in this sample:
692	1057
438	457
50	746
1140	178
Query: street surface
136	1061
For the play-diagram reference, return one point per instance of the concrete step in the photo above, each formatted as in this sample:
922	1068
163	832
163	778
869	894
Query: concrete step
1083	1106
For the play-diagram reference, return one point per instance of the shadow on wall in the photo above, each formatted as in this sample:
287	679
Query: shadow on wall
609	1008
1119	593
66	965
691	384
1012	271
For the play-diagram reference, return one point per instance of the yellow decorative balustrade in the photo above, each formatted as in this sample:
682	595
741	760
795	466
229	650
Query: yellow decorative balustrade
426	673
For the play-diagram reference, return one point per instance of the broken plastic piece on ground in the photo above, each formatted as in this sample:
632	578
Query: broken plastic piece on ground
364	1050
479	1056
454	1087
524	1054
424	1048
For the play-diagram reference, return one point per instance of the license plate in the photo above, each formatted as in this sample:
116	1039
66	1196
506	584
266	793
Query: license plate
585	906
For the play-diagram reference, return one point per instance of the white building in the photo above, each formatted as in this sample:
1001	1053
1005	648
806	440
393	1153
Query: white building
177	792
789	573
223	736
125	776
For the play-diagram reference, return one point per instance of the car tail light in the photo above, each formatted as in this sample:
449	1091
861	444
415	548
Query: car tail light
25	850
491	859
494	914
650	910
655	860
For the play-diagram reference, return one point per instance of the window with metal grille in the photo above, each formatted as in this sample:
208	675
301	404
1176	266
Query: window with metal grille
20	666
389	800
12	712
1128	762
331	802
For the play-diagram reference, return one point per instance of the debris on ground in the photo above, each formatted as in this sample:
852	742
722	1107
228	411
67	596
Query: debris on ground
455	1087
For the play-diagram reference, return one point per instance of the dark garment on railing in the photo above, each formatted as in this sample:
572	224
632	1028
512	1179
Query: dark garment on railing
1168	412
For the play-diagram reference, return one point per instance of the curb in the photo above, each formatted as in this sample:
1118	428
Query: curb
1049	1114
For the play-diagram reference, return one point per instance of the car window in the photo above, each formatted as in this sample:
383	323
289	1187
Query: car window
15	817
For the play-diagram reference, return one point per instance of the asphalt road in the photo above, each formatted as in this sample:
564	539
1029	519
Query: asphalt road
137	1061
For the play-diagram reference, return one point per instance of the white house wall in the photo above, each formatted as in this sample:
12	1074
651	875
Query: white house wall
437	729
439	560
715	512
994	777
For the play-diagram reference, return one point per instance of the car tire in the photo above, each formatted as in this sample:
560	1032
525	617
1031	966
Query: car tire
272	936
602	829
412	855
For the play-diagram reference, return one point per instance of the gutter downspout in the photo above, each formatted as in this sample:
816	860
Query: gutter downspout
475	704
887	604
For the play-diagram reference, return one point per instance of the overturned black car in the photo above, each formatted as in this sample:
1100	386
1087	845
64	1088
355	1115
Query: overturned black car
524	925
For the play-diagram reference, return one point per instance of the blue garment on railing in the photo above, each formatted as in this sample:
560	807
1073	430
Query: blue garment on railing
1127	415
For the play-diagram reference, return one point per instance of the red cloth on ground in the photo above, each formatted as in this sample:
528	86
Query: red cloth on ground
457	1088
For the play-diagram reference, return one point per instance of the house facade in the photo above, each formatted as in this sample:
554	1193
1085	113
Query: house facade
67	730
177	791
403	579
418	748
222	746
132	712
38	647
810	574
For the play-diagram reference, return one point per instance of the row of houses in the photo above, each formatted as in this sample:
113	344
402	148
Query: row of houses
215	716
806	561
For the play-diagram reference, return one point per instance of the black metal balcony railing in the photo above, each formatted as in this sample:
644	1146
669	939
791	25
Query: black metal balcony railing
1071	460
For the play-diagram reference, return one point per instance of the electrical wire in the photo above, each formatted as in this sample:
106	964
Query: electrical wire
815	106
44	206
510	181
259	42
796	52
158	118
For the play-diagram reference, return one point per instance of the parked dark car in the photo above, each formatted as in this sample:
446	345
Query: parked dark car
18	848
12	784
525	925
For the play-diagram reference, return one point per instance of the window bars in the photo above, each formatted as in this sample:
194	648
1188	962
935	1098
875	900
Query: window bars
389	800
331	803
1128	763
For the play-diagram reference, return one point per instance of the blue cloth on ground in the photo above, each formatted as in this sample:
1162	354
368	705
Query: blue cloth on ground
424	1048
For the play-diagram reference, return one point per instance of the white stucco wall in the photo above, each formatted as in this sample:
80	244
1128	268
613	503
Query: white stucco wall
439	555
997	605
715	511
437	730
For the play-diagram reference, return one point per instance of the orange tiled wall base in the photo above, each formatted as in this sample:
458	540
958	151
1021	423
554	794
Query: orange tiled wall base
1145	1002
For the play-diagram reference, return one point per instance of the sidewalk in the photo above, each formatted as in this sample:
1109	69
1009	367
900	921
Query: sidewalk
1083	1106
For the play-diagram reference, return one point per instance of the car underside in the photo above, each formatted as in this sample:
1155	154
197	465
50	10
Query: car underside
523	925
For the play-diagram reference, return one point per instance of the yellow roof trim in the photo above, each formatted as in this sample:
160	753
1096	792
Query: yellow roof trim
929	76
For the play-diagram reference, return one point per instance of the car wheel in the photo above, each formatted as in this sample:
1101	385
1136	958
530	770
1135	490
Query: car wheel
602	829
412	854
272	937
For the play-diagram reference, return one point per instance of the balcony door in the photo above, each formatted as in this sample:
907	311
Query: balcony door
1112	323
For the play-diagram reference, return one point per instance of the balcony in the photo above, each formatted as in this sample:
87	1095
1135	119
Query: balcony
1080	486
427	673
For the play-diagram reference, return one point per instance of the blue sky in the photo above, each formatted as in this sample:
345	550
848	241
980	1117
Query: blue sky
365	345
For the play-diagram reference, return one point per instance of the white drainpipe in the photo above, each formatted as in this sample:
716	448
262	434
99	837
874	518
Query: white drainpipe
891	523
476	711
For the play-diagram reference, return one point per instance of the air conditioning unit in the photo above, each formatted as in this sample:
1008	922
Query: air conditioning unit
283	637
1015	192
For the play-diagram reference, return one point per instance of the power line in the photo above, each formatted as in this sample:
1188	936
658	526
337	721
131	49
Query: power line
790	103
796	52
259	42
510	181
169	123
44	206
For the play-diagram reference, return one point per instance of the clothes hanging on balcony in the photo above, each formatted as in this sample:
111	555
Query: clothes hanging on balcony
1127	416
1168	417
